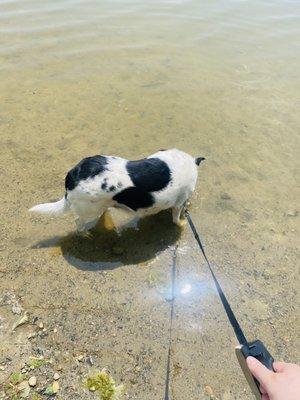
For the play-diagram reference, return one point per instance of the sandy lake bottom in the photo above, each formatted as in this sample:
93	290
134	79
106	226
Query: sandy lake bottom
216	79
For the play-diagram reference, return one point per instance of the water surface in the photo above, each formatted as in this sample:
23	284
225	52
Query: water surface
213	78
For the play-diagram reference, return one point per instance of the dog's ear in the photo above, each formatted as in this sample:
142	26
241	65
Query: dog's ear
198	160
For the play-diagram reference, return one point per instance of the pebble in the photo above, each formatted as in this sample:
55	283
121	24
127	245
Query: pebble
225	196
32	381
16	309
2	367
55	387
80	358
56	376
23	320
23	389
292	213
208	391
90	360
41	325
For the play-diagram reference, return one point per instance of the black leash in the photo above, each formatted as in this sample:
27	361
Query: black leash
255	348
237	329
172	300
234	323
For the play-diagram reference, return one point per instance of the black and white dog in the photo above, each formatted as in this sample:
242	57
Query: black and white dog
163	180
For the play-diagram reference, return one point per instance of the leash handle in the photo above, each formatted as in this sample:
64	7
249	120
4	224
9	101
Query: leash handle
258	350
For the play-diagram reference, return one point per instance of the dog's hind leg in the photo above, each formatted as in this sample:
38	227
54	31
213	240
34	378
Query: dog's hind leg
108	221
176	214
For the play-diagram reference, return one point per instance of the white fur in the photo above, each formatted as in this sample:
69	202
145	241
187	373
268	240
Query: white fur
57	208
88	201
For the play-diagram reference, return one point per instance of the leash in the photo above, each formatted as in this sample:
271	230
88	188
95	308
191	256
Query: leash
255	348
234	323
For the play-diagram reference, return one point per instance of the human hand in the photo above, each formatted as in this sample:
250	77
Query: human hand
284	384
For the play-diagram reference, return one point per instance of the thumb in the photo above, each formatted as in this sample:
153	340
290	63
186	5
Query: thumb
259	371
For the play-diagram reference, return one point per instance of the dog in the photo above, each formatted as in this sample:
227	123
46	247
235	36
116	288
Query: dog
161	181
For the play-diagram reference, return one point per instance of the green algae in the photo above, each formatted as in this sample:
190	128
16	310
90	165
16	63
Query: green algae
104	385
15	388
37	362
35	396
16	377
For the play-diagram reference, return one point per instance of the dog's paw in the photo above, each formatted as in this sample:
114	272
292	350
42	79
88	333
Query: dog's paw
108	221
181	223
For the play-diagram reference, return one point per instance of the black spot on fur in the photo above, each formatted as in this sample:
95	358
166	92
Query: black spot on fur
134	198
86	168
104	184
149	174
163	150
112	188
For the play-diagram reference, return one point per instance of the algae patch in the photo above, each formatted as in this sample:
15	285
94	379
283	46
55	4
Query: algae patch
34	363
36	396
16	377
17	388
102	383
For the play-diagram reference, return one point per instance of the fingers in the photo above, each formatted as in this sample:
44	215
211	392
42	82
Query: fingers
262	390
279	366
259	371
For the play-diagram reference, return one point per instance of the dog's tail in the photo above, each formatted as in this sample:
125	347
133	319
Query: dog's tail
198	160
57	208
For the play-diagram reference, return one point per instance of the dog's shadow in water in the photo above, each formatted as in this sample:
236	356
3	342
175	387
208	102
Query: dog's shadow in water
107	249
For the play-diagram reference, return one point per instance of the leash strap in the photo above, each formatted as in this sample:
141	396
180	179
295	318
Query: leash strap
234	323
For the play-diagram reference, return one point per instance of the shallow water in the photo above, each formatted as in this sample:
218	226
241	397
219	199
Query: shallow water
216	79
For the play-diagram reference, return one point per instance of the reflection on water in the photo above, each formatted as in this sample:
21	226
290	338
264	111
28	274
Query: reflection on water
126	78
186	288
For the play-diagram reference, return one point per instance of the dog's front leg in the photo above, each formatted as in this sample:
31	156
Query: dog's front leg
83	227
80	225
